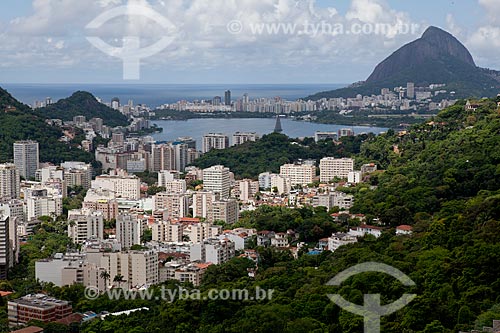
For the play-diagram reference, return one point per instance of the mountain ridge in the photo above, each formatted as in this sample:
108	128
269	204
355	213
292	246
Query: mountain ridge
435	57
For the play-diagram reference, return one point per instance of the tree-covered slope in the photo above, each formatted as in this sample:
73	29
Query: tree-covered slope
82	103
19	122
274	150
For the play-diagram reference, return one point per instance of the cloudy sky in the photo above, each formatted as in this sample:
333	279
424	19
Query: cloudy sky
219	41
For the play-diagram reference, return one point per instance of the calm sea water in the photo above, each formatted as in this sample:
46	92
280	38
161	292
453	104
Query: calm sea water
157	94
197	128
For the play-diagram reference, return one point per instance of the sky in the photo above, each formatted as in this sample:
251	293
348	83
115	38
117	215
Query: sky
227	41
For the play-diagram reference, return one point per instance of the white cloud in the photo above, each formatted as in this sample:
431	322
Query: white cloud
202	37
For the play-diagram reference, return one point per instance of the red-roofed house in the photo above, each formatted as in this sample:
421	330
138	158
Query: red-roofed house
404	230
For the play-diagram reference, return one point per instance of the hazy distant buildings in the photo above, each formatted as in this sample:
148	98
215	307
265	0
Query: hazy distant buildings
26	158
227	98
215	141
410	90
323	136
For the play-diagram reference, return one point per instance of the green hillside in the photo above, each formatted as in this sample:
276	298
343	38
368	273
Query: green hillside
19	122
82	103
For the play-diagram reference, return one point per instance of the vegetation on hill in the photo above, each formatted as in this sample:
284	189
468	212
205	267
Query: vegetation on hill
19	122
274	150
82	103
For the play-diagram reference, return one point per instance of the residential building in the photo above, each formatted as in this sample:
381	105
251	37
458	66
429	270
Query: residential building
240	138
215	141
226	210
404	230
85	224
174	204
331	168
213	251
77	174
217	180
354	177
56	270
5	247
340	239
166	231
26	158
37	307
103	201
165	176
9	182
121	183
175	186
282	185
199	232
248	189
323	136
365	229
298	174
265	180
129	230
203	202
42	201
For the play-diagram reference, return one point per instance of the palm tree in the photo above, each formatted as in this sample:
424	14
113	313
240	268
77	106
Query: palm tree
105	275
119	279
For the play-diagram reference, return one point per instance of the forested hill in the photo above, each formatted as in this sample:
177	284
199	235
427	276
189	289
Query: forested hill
438	164
19	122
274	150
82	103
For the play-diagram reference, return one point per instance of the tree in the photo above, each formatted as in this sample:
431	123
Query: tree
119	279
105	276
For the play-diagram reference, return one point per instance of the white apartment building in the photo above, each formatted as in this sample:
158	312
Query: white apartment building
240	138
175	186
175	205
85	224
42	201
331	168
103	201
265	180
77	174
166	232
119	181
9	182
26	158
129	230
167	175
203	202
199	232
282	184
226	210
5	247
213	251
248	189
215	141
354	177
217	180
298	174
340	239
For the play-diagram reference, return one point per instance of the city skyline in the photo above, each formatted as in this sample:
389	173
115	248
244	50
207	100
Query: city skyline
42	37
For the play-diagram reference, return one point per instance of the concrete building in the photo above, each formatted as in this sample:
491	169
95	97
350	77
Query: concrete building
217	180
265	180
5	247
103	201
340	239
61	270
240	138
165	176
215	141
331	168
324	136
166	232
37	307
26	158
175	205
42	201
354	177
281	184
199	232
175	186
298	174
226	210
129	230
248	189
85	224
121	183
213	251
9	182
77	174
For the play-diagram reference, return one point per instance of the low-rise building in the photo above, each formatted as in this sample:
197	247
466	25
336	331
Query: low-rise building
37	307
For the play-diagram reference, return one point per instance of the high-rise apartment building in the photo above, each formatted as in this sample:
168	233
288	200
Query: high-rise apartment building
299	174
9	182
331	168
26	158
217	180
5	247
85	224
215	141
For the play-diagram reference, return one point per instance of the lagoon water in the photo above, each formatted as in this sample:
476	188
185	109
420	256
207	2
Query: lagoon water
197	128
